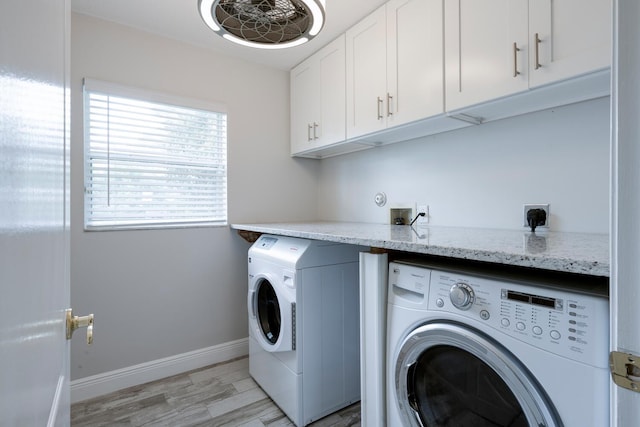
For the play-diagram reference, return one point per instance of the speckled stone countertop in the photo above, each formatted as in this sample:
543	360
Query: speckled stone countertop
582	253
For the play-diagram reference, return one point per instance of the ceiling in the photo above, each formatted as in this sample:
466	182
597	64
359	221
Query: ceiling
179	20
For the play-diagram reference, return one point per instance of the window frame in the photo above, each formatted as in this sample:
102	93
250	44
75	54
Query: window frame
137	94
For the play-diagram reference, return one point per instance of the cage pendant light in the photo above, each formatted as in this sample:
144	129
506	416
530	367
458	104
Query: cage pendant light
265	24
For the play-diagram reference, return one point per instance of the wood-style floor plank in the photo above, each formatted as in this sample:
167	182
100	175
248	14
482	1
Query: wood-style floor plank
219	395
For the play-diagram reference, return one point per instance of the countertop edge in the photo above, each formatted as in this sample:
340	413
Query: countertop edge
538	261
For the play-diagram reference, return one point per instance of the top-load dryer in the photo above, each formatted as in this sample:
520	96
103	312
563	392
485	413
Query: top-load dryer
303	303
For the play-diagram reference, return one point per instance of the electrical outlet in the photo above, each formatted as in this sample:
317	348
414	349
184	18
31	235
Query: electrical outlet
544	207
422	209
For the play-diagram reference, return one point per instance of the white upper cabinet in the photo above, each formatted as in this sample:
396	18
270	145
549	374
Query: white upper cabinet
485	50
495	48
415	59
367	74
304	102
395	66
318	99
573	38
419	67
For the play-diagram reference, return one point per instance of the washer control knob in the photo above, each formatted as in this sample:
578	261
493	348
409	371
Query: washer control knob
462	296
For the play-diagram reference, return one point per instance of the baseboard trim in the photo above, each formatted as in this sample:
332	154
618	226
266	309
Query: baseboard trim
100	384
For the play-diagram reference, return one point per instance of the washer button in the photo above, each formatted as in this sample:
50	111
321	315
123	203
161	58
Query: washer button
484	315
555	335
440	302
537	330
521	326
505	322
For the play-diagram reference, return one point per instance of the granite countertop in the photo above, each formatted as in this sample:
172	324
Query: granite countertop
582	253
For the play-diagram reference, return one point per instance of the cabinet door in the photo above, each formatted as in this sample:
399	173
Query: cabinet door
366	75
482	62
574	38
415	80
331	122
304	105
318	99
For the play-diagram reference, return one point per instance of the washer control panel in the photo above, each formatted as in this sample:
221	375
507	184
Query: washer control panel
569	324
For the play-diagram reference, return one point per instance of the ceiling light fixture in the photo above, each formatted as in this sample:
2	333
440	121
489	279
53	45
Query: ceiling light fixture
265	24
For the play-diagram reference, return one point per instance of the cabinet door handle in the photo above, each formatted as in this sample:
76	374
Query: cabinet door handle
315	127
515	59
537	42
309	127
389	111
380	116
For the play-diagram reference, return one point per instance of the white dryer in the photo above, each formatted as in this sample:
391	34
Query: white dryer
471	350
303	303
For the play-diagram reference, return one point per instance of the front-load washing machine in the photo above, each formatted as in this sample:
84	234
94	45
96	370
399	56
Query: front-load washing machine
475	350
303	303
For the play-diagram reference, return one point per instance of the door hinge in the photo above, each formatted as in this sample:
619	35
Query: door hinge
625	370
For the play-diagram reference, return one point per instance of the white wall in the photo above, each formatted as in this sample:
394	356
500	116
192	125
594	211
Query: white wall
159	293
482	175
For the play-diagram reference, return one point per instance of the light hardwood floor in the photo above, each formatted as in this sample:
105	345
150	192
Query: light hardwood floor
217	395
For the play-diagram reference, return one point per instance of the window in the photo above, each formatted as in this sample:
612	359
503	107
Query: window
151	160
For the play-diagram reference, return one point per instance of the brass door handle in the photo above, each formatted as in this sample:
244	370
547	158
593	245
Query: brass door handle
75	322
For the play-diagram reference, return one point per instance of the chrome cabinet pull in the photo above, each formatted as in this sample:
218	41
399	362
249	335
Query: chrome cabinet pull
537	42
389	111
515	59
380	116
315	127
309	127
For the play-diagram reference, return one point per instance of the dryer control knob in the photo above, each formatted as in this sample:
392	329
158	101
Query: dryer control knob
462	296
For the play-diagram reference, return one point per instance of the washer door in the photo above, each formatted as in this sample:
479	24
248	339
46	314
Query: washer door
449	374
271	315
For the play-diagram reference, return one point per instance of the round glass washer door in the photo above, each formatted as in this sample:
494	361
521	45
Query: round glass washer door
271	314
451	375
268	311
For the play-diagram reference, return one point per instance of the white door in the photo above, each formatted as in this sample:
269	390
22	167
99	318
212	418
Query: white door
625	230
332	97
485	50
367	75
415	80
574	38
304	101
34	245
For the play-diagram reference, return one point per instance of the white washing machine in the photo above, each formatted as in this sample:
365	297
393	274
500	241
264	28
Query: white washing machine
472	350
304	345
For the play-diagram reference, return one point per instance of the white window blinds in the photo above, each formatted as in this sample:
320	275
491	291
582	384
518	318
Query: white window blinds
152	160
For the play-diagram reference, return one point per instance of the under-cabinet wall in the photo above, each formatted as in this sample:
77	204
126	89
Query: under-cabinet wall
482	175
